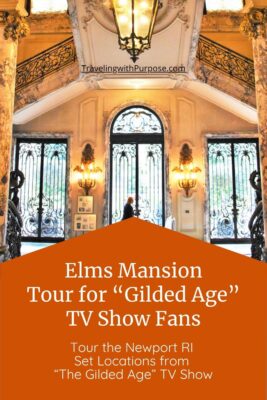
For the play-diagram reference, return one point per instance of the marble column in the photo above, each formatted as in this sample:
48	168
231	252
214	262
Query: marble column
255	27
12	27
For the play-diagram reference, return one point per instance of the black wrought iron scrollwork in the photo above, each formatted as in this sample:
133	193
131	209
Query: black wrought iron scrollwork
232	202
137	120
62	54
42	203
14	228
14	222
226	61
16	182
137	164
43	64
256	225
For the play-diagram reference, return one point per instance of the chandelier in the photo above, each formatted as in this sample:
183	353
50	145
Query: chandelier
135	20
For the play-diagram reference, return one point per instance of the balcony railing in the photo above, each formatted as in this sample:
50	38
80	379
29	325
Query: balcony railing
46	63
62	54
226	61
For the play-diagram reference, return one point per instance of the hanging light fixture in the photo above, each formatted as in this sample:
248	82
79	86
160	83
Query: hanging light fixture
135	20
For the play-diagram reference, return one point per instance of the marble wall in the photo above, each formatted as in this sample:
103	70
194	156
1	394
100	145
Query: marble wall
8	56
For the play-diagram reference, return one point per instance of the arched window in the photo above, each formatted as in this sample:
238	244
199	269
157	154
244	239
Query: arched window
137	120
137	161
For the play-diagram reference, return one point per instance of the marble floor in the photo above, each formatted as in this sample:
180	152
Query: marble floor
29	247
243	249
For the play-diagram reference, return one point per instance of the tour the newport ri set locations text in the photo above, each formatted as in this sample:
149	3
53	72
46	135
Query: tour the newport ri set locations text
133	362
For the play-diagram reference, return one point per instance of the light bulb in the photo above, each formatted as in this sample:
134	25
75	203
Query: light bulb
144	20
122	3
144	5
123	19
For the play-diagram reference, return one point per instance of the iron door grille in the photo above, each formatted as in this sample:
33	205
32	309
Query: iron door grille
43	195
137	164
231	197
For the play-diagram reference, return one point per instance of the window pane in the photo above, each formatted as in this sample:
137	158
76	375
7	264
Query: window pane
245	155
137	120
150	183
232	198
137	164
221	191
30	165
224	5
43	194
54	190
47	6
123	177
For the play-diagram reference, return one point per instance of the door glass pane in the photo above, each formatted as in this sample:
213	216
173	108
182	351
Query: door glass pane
123	177
137	138
137	120
150	182
221	191
29	162
54	188
232	199
245	156
42	197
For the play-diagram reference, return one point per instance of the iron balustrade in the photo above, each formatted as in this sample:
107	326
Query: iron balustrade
45	63
63	54
226	61
14	230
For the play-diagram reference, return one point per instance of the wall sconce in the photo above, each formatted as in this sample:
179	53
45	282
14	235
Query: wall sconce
186	173
87	173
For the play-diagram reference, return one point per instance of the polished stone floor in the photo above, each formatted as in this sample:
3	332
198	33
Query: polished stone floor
29	247
243	249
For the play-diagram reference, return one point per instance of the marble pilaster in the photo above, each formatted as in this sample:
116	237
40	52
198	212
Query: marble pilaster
12	27
255	27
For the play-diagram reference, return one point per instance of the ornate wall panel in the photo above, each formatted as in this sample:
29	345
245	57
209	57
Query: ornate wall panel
88	121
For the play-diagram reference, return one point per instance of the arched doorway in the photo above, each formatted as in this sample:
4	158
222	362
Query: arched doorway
137	164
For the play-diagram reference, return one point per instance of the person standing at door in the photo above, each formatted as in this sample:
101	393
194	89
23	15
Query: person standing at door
128	211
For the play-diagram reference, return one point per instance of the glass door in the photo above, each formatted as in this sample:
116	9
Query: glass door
231	197
43	195
150	183
137	160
